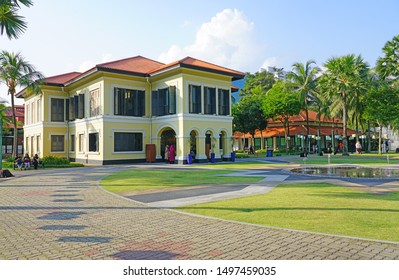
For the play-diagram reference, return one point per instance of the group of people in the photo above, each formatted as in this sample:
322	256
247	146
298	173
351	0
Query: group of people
26	162
170	154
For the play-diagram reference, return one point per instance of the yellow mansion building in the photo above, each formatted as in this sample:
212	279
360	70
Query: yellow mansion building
128	110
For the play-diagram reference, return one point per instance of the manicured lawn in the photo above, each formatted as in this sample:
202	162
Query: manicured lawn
141	179
314	207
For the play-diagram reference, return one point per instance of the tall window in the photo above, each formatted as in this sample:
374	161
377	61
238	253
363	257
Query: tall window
194	99
57	143
128	102
81	106
81	142
38	144
57	110
164	101
39	111
27	119
209	100
95	103
128	142
224	102
72	144
93	142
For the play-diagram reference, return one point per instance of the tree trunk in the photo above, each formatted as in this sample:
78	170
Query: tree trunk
344	137
368	137
380	139
286	140
307	129
14	121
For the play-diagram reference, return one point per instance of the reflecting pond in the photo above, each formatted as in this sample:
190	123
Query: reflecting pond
350	171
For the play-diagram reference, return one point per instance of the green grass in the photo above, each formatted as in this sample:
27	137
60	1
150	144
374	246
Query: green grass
317	207
140	179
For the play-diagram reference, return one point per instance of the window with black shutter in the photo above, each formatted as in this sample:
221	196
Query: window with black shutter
57	110
224	102
209	100
81	106
128	102
71	108
194	95
164	101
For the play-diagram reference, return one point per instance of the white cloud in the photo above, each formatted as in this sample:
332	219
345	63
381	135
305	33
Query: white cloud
88	64
270	62
227	40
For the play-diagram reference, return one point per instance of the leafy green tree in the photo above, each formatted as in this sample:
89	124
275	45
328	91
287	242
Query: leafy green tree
281	102
381	104
259	81
303	77
12	24
345	76
388	65
16	72
248	115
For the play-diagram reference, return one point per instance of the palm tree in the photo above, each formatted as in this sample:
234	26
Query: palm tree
304	79
345	76
389	64
15	72
10	22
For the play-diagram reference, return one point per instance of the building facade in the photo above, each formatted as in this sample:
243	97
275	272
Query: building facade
128	111
326	130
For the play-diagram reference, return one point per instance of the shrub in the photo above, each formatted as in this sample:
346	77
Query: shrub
51	160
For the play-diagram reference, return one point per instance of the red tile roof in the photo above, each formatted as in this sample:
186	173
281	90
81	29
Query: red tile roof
141	66
194	63
137	64
60	80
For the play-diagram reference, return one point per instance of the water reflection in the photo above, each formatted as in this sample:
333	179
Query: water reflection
350	171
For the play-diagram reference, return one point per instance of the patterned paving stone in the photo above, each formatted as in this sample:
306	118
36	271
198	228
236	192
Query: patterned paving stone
34	225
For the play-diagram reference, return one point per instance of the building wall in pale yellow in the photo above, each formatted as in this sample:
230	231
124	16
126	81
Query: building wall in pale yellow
38	128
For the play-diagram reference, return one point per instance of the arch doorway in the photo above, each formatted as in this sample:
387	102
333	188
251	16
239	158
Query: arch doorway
193	144
168	137
209	145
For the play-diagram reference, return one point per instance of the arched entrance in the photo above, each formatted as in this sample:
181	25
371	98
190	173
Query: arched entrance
193	144
223	143
209	144
168	137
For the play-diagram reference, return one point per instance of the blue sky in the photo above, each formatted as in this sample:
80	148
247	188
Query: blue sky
74	35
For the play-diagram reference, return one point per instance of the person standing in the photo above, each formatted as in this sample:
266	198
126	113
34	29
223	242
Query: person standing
171	154
358	147
166	157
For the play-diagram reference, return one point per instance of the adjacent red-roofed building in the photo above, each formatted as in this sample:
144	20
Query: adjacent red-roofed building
273	137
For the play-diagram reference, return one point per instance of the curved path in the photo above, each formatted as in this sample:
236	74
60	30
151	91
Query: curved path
63	214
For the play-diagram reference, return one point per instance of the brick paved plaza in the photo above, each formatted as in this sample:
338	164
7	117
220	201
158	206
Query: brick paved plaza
64	214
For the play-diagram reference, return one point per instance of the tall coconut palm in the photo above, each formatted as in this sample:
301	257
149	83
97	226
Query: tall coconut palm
388	65
16	72
345	76
10	22
303	78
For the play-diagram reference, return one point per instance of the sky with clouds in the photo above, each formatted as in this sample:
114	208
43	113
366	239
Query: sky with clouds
74	35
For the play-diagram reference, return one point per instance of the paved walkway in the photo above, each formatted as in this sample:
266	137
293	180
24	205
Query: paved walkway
63	214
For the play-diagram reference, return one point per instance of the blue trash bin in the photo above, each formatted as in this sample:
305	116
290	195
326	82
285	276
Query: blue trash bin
212	157
189	159
269	153
233	156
